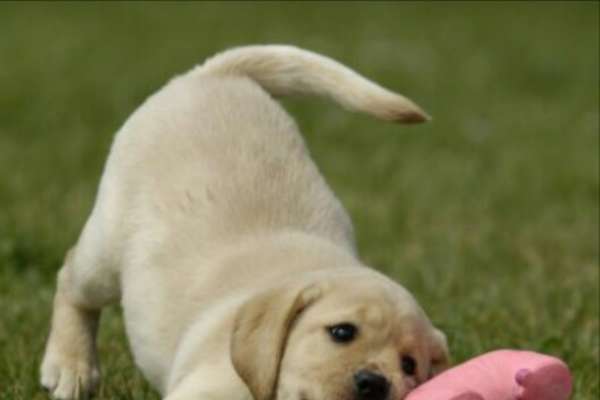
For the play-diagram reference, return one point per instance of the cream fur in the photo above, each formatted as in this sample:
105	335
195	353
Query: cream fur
214	229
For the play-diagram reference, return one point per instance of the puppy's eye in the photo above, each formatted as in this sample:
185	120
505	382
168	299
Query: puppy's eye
342	333
409	365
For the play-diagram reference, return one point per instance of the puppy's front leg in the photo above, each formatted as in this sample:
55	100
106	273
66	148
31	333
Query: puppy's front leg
187	394
199	396
214	382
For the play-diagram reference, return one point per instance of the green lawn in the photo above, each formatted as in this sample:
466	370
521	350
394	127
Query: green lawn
489	214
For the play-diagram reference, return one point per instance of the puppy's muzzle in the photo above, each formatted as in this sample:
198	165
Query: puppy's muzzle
371	386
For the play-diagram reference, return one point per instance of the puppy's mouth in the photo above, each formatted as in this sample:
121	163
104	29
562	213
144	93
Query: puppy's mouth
303	396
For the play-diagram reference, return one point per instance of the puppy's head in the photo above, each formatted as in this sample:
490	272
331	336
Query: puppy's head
352	336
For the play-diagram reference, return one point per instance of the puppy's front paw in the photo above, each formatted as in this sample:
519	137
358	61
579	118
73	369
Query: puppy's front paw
69	378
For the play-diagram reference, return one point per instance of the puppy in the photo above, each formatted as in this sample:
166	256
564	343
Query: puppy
233	261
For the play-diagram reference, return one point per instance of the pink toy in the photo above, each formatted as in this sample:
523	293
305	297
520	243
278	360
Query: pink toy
500	375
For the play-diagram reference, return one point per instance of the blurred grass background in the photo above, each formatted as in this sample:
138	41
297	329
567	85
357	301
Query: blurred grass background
489	214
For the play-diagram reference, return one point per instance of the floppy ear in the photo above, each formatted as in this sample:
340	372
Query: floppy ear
440	357
260	332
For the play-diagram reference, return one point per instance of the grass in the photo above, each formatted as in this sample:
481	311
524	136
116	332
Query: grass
489	214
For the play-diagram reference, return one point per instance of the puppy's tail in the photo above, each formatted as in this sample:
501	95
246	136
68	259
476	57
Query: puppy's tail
286	70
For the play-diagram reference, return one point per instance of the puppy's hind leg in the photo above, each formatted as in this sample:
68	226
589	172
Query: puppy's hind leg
85	284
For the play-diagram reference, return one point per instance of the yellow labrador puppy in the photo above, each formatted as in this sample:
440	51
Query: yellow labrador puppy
234	262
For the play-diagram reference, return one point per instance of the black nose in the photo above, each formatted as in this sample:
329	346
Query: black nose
371	386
